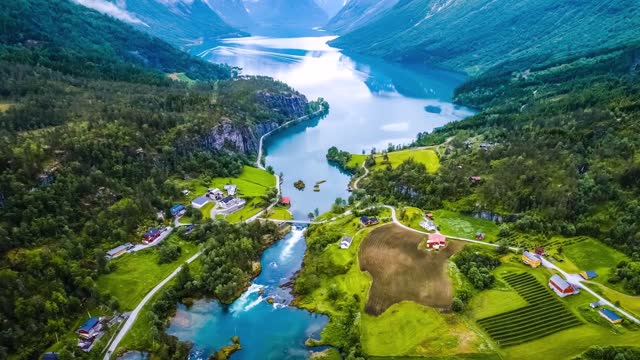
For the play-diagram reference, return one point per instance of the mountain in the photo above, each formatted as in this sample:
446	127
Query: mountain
181	22
358	13
331	7
475	35
82	42
233	12
286	13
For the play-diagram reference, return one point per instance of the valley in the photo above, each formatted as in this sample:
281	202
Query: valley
464	185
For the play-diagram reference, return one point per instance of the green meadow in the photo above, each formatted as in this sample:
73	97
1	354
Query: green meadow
428	157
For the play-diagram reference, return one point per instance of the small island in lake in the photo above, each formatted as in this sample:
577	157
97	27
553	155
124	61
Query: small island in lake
316	188
300	185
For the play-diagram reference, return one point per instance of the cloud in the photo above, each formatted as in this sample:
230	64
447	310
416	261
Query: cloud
112	9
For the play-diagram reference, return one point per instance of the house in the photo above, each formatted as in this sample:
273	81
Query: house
200	201
475	179
216	194
186	192
368	221
117	251
540	251
610	315
429	216
90	328
480	236
588	275
345	243
151	235
530	259
286	201
561	286
231	204
231	189
177	210
436	241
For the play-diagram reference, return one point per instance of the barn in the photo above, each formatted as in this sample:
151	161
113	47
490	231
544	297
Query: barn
561	287
530	259
611	316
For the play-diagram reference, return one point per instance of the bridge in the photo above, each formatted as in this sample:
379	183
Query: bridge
295	222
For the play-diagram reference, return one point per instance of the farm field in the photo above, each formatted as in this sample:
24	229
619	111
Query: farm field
543	316
402	272
456	224
425	331
428	157
137	273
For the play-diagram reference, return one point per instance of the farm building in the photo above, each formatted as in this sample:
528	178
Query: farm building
595	305
89	328
429	216
151	235
286	200
480	236
177	210
345	243
231	189
117	251
436	241
540	251
611	316
215	193
561	286
200	201
368	221
589	274
530	259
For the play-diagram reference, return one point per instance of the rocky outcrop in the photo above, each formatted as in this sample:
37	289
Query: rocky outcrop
288	104
495	217
229	135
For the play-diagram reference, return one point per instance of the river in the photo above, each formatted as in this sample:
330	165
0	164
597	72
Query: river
373	104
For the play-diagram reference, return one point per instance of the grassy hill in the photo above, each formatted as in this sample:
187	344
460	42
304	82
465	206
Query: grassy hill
476	35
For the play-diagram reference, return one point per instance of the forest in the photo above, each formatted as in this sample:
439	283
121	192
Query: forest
554	148
91	133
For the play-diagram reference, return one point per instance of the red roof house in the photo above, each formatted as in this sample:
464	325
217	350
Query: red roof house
561	286
286	200
436	241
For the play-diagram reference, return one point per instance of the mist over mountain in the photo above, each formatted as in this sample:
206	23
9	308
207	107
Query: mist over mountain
233	12
181	22
475	35
331	7
286	13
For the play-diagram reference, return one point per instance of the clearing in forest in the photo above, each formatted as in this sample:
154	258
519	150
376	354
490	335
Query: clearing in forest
401	271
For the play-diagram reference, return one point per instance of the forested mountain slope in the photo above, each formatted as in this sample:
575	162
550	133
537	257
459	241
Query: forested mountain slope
475	35
358	13
557	146
181	22
286	13
91	132
80	41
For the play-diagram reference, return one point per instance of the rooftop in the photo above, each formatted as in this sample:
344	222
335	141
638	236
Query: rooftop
610	315
89	324
201	200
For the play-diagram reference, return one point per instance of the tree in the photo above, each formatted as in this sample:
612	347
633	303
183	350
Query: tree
270	170
310	216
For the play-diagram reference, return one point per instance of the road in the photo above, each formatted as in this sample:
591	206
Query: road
134	314
578	280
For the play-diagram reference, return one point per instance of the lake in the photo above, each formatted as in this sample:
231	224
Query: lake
373	104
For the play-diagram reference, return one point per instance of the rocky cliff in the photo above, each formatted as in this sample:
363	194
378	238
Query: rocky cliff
240	137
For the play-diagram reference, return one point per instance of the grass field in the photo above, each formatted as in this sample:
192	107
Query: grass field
543	316
428	157
423	331
137	273
591	254
402	272
279	213
4	107
455	224
180	77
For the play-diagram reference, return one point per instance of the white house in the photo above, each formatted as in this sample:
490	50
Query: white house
345	243
231	189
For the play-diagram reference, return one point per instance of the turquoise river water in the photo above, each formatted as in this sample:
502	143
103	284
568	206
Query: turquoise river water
373	103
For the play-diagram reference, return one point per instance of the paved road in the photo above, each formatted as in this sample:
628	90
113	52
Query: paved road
134	314
579	281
